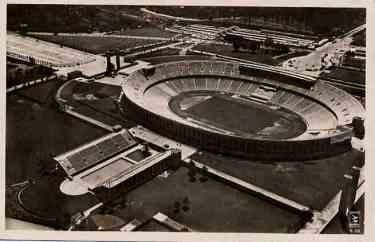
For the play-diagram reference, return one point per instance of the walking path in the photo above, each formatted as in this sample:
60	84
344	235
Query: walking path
103	35
153	49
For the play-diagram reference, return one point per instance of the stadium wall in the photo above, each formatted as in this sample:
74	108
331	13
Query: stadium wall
281	150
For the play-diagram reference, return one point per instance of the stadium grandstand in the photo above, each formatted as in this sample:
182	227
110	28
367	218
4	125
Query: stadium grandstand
179	99
209	32
197	30
110	161
45	53
185	118
278	37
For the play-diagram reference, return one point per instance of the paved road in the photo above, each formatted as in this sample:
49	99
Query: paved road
311	63
172	45
184	50
196	41
104	35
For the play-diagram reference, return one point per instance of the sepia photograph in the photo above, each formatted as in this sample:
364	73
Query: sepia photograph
173	118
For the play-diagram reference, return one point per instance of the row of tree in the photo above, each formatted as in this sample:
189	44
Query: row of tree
21	75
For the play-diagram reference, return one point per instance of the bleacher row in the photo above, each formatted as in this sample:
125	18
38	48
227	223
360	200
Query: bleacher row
316	116
341	103
211	32
277	38
87	156
195	68
46	53
200	31
322	106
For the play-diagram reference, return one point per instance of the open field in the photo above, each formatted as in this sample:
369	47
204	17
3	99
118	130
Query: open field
96	100
227	50
36	133
234	210
95	44
346	75
299	181
42	93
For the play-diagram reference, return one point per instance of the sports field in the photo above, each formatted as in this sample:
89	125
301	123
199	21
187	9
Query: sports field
244	117
95	44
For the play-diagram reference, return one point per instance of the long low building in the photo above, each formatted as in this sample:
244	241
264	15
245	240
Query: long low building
45	53
212	32
64	59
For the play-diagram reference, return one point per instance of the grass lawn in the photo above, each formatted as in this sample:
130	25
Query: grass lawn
36	133
312	183
246	117
213	206
227	50
102	108
95	44
346	75
41	93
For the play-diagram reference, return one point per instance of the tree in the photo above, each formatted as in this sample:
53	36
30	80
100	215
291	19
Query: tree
350	53
192	165
236	46
191	175
18	75
177	204
186	200
10	77
185	208
268	42
204	178
29	75
254	46
23	28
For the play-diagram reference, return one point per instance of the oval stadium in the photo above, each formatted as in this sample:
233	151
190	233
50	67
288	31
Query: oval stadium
193	119
247	110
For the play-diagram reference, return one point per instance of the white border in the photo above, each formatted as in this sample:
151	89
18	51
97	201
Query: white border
162	236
